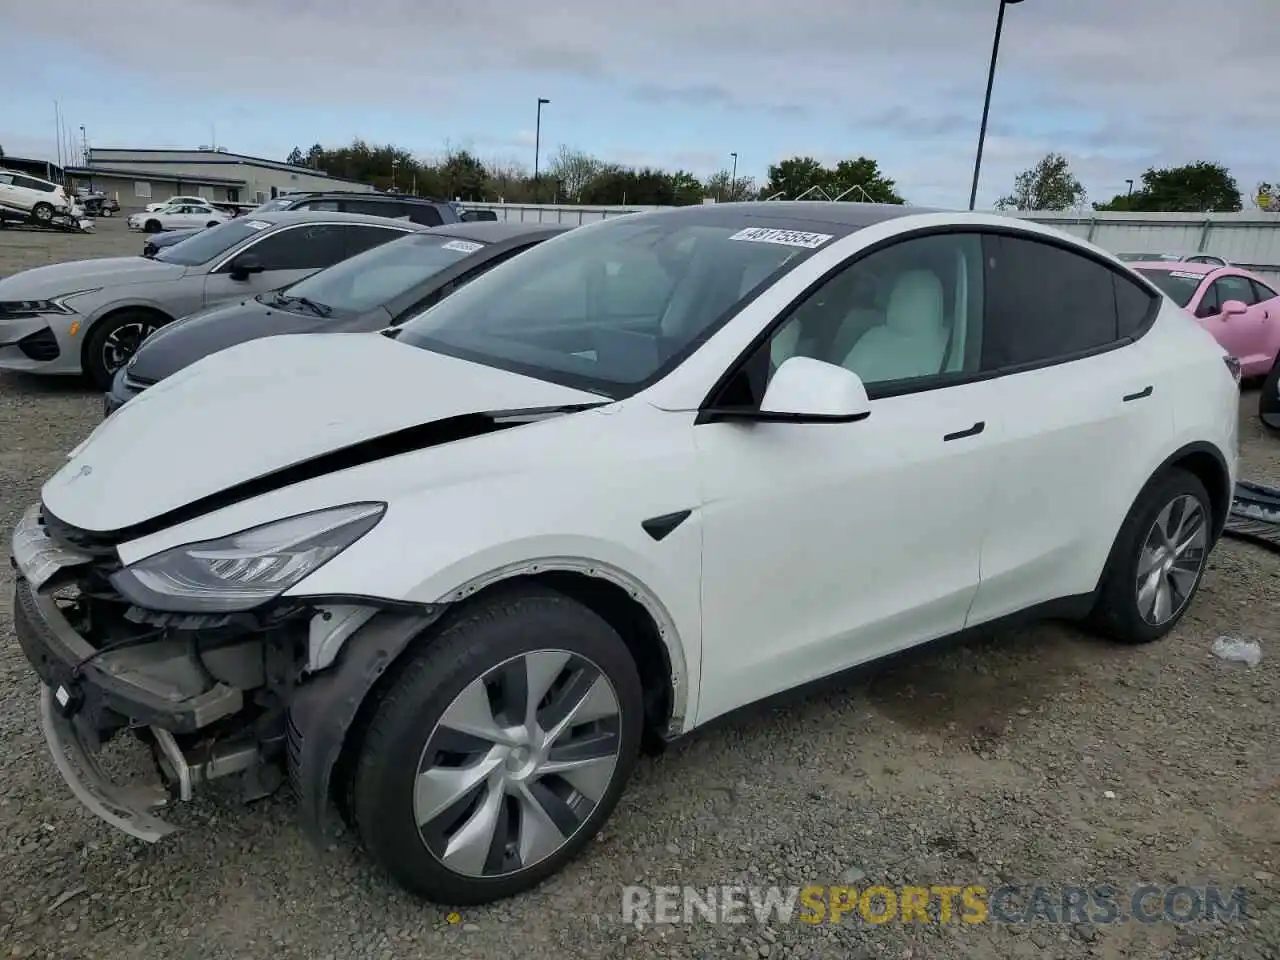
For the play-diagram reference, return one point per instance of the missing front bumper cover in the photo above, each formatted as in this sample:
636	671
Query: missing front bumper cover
127	807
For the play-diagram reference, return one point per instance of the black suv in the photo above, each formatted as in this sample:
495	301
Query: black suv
429	213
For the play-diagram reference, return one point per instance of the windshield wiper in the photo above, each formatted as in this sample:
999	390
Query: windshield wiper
319	309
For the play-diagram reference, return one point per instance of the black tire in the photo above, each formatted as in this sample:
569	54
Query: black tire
42	212
211	223
469	644
111	344
1117	614
151	226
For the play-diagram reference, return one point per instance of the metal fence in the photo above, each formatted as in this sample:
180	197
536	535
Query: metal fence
1251	240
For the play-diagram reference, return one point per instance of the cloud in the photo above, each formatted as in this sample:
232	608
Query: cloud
1116	87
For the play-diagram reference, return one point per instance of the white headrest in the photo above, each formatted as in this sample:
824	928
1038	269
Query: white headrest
915	305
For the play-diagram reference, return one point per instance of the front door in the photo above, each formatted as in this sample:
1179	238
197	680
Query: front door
287	255
827	545
1246	336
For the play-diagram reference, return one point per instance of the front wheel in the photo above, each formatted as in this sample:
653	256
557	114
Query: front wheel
499	749
1269	398
113	342
151	226
1158	560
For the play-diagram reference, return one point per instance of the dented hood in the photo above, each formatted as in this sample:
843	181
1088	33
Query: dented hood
266	405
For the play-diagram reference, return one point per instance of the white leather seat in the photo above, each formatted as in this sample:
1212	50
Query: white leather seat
913	338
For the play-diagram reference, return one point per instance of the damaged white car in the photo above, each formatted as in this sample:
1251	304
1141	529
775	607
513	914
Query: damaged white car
451	580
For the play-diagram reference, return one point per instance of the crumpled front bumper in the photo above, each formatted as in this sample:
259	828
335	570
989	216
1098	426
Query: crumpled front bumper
85	692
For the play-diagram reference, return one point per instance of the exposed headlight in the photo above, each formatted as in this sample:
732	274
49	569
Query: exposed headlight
237	573
36	308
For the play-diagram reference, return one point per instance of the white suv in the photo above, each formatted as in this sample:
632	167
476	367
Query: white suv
31	196
654	469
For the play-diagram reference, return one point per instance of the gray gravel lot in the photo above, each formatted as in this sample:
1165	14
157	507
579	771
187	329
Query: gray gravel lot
1035	756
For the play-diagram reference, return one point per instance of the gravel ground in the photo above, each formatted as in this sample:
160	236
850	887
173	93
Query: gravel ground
1035	756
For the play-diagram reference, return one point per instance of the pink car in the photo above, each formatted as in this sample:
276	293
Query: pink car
1237	307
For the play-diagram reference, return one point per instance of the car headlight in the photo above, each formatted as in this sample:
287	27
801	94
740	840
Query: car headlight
247	569
36	308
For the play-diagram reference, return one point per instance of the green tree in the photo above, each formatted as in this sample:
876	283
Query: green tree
1202	187
573	170
725	189
858	179
463	176
686	188
1049	185
296	157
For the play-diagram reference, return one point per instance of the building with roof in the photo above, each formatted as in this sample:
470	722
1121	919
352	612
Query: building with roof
138	177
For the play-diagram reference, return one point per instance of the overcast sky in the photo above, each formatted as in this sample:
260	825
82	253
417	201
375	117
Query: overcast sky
1116	85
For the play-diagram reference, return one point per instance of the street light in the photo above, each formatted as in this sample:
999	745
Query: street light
986	106
733	179
1130	193
537	144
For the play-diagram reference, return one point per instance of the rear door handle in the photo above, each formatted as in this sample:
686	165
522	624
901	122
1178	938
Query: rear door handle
973	431
1140	395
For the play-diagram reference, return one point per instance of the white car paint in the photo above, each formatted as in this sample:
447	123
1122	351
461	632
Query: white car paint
180	216
176	201
810	548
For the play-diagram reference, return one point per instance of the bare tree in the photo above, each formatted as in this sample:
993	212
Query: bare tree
574	170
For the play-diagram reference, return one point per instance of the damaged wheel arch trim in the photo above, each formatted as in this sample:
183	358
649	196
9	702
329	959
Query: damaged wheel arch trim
681	708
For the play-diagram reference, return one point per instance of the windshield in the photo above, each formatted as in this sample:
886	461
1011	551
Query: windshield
610	307
1179	285
377	276
204	246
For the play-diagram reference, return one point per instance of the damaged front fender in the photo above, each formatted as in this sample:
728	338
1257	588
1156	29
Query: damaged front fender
323	709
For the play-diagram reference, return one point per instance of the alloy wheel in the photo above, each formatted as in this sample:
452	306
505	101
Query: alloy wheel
517	763
123	342
1171	560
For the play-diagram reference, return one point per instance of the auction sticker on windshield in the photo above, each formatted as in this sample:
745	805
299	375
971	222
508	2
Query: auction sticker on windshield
789	238
463	246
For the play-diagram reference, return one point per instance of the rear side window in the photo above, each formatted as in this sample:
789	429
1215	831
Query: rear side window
372	208
362	237
1263	292
1134	304
1044	303
423	213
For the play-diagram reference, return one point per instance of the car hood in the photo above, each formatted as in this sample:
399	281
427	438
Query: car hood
61	278
266	405
178	345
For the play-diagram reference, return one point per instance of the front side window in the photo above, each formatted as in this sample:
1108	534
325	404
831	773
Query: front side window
909	312
308	247
379	275
1263	292
613	306
212	243
1224	289
1044	303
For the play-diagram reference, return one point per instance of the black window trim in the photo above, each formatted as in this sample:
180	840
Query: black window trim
898	388
459	272
1261	288
250	242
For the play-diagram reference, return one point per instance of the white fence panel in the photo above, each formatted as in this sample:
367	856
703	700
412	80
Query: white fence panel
1250	239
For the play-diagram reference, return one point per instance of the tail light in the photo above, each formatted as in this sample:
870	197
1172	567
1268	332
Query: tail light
1234	366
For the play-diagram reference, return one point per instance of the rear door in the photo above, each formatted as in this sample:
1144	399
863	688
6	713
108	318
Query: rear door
1085	409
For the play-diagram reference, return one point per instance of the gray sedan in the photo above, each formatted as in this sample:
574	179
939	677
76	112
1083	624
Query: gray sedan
89	316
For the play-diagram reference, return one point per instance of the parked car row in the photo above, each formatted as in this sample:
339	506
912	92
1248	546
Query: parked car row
574	497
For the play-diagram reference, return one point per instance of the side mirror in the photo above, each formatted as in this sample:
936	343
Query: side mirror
804	390
1233	308
244	265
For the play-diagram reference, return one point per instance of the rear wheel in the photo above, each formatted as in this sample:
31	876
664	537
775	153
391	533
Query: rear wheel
211	223
43	212
499	750
1269	398
113	342
151	226
1158	560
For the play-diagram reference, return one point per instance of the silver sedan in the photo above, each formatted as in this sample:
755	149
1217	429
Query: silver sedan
89	316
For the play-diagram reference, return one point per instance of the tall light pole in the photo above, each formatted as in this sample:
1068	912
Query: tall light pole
733	178
986	106
84	146
1130	193
537	144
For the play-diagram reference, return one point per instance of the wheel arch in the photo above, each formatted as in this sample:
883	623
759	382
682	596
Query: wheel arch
115	310
1206	463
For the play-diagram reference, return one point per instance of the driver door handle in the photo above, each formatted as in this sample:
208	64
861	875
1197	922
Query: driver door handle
973	431
1141	394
